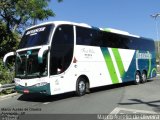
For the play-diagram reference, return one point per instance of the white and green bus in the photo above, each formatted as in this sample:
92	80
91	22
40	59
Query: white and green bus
58	57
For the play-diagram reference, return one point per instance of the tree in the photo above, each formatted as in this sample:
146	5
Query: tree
15	16
18	14
8	40
157	51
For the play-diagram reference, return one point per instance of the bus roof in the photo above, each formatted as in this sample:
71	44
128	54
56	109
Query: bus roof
111	30
120	32
62	22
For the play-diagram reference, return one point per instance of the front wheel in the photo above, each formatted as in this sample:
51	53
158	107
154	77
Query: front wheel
81	87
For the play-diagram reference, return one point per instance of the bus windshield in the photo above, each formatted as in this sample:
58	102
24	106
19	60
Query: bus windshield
27	65
36	36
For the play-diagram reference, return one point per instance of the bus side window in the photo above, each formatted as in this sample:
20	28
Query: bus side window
61	49
84	36
88	36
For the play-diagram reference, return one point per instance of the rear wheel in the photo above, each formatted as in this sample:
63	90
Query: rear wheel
144	77
137	78
81	87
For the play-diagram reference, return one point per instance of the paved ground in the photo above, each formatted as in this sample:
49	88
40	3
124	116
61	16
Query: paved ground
115	99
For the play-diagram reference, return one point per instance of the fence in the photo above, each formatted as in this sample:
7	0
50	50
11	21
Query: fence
6	87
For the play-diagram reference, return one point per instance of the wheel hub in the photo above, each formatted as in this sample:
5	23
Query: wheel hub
82	86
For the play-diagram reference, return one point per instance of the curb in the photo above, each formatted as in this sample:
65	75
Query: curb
9	95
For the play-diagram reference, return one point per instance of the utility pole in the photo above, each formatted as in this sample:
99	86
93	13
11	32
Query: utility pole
157	32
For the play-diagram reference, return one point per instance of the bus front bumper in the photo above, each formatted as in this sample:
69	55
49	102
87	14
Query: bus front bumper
45	89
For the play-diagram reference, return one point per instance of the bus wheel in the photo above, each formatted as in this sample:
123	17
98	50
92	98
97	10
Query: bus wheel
81	87
144	77
137	78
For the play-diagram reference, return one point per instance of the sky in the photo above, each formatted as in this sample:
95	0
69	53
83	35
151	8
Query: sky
133	16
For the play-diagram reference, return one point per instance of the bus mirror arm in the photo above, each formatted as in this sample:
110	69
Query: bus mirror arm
6	57
41	53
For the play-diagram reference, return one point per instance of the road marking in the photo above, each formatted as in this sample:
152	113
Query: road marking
118	110
46	103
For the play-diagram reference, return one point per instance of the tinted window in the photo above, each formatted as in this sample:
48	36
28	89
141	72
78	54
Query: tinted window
36	36
141	44
93	37
61	49
114	40
126	42
27	65
87	36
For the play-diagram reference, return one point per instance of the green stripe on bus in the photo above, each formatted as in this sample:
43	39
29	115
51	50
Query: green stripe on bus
106	30
110	65
118	61
149	66
153	70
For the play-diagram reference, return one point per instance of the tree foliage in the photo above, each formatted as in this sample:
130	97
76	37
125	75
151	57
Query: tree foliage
15	16
6	76
156	45
18	14
8	40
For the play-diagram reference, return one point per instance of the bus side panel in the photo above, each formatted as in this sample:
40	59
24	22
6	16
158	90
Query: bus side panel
64	82
128	58
120	63
106	66
142	61
103	66
90	62
152	64
112	65
146	60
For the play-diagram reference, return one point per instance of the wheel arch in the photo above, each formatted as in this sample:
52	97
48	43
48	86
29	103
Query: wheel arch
144	70
138	72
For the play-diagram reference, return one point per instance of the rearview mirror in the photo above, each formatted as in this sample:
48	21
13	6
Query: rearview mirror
41	52
10	54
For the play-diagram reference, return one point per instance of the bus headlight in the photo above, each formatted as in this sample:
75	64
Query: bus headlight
41	84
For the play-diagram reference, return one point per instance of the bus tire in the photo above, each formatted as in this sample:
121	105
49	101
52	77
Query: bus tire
144	77
81	86
137	78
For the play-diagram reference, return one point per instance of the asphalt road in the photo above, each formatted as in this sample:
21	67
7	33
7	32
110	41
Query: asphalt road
116	99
